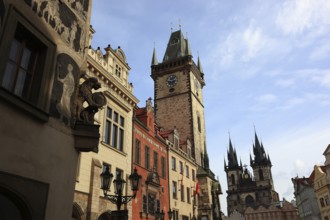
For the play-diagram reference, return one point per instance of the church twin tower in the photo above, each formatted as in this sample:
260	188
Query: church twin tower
247	190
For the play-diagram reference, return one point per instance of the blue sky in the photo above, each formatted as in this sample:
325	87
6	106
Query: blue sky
266	64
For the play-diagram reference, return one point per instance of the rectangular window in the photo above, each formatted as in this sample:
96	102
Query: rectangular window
137	151
26	60
147	157
174	190
156	161
181	167
187	171
173	163
107	131
188	195
114	129
163	161
193	174
182	192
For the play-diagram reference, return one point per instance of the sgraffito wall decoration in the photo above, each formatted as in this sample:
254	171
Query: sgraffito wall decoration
2	12
64	89
62	17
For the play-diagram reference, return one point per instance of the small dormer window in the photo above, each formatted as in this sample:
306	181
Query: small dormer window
118	71
174	41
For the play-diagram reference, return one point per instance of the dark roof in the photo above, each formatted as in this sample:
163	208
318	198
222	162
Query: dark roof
177	47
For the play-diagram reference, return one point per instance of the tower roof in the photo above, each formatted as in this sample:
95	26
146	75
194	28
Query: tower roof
154	60
177	47
232	157
260	157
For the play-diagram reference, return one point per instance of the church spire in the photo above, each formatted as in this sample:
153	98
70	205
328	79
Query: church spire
260	157
232	156
199	66
154	60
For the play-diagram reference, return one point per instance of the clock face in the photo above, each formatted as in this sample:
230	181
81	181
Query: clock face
196	84
171	81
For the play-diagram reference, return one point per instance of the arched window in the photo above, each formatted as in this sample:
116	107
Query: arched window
105	216
12	207
76	212
261	174
249	201
233	179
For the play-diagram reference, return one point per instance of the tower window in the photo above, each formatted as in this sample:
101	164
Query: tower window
199	123
232	179
174	41
261	174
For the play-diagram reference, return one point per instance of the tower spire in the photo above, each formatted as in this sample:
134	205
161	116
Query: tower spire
154	60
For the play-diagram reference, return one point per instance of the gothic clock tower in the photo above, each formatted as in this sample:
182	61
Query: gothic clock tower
178	93
178	89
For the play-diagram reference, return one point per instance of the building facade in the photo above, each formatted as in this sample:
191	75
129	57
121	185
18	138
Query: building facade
306	199
42	56
282	210
115	145
150	158
178	91
322	191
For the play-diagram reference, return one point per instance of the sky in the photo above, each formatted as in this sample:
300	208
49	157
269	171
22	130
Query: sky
266	65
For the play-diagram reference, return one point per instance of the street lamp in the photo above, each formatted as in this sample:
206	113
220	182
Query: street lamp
119	199
170	214
159	215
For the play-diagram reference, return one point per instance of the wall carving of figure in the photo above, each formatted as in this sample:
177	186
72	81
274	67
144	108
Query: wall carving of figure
94	100
65	89
64	105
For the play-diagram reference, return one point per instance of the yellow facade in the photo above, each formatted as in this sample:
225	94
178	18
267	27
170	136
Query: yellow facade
322	191
112	72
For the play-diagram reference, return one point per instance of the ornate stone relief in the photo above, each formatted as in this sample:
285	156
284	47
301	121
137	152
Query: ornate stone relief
63	20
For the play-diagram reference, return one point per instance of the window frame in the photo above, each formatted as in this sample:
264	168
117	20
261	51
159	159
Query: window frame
137	152
173	162
39	107
114	129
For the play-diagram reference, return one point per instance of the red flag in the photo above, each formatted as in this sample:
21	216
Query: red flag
197	188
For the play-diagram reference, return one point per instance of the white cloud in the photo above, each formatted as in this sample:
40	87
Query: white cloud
320	76
267	98
291	103
296	16
253	39
285	82
320	52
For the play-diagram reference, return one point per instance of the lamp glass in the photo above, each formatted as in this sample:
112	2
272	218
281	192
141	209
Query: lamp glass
135	180
119	184
106	178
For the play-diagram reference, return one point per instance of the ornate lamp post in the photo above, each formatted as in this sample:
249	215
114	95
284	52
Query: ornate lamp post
118	198
170	214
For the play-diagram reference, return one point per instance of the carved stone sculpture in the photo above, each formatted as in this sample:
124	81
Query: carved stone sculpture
94	100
